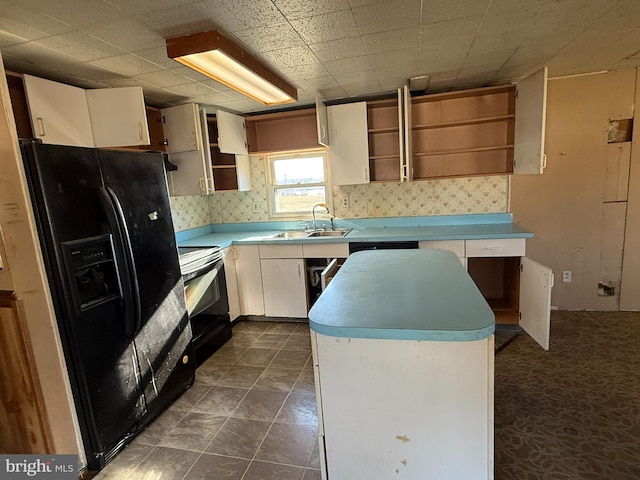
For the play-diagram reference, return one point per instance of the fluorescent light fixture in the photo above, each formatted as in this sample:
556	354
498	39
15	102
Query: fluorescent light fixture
215	56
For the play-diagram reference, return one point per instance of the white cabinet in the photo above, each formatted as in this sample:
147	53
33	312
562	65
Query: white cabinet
249	279
182	128
322	123
517	288
118	116
232	282
232	133
67	115
59	113
349	150
531	107
285	287
456	246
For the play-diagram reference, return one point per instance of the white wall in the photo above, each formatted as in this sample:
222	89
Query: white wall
577	208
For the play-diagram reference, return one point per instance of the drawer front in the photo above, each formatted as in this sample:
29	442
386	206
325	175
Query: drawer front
496	247
325	250
293	250
456	246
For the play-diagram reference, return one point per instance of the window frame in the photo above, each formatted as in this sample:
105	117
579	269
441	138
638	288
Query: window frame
272	187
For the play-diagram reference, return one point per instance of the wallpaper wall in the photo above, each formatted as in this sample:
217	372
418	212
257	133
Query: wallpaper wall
456	196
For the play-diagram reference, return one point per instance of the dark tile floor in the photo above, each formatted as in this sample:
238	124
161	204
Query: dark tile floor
250	415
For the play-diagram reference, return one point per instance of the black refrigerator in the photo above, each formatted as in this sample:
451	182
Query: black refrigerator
110	253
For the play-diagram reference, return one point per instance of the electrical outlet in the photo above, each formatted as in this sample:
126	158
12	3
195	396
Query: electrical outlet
257	207
345	201
566	276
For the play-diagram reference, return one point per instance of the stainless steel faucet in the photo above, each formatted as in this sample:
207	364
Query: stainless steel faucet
313	212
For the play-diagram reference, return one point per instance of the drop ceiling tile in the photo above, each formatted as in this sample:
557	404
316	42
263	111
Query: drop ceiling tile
395	59
326	27
303	72
349	65
90	72
164	78
339	49
443	10
290	57
192	89
39	55
392	40
234	16
128	82
136	7
366	87
332	93
455	30
295	9
389	15
127	34
265	39
8	39
158	55
176	21
77	13
317	83
128	65
20	65
30	25
80	46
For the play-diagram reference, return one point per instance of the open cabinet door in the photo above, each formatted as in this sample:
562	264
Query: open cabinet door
232	133
531	112
536	282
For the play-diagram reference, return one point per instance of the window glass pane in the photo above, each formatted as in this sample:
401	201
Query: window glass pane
298	199
298	170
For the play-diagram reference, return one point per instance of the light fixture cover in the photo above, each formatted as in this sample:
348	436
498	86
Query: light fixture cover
214	55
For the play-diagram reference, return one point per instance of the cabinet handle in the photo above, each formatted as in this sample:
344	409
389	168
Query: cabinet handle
202	186
140	131
366	174
324	132
544	161
299	272
41	125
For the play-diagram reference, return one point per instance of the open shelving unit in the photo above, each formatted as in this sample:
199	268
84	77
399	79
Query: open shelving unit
384	140
223	165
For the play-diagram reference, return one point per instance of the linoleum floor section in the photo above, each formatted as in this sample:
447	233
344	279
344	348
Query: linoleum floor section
572	413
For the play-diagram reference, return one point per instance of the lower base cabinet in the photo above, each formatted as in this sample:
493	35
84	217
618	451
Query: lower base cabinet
284	285
414	409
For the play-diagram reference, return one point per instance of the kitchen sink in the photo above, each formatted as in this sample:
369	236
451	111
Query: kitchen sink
340	232
330	233
291	234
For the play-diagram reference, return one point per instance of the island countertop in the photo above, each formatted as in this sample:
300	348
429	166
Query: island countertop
404	295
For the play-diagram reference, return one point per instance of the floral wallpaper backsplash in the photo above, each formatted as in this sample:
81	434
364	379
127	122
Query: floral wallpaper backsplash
455	196
189	212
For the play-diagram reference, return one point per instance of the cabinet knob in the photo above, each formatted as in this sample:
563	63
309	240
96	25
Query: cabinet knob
165	142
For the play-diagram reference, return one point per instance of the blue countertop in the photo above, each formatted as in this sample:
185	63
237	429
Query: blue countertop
404	295
460	227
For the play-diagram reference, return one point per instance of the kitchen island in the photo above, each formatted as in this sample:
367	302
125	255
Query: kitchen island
402	345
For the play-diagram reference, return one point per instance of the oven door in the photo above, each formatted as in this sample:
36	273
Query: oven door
204	287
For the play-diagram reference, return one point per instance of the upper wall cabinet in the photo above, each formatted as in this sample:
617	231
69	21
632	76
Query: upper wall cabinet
349	150
282	131
66	115
322	123
182	128
232	133
531	112
59	113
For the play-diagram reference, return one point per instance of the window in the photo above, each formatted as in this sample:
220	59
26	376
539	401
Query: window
297	182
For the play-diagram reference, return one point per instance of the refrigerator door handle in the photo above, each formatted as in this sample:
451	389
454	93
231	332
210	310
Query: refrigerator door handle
131	293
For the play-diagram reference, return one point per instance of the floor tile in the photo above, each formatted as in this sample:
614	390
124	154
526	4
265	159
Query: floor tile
154	433
273	471
278	379
165	464
260	405
243	339
302	328
194	431
298	342
210	372
190	397
299	409
250	326
312	474
282	327
239	437
314	458
220	400
125	463
305	383
240	376
271	340
258	357
215	467
290	359
289	444
227	355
